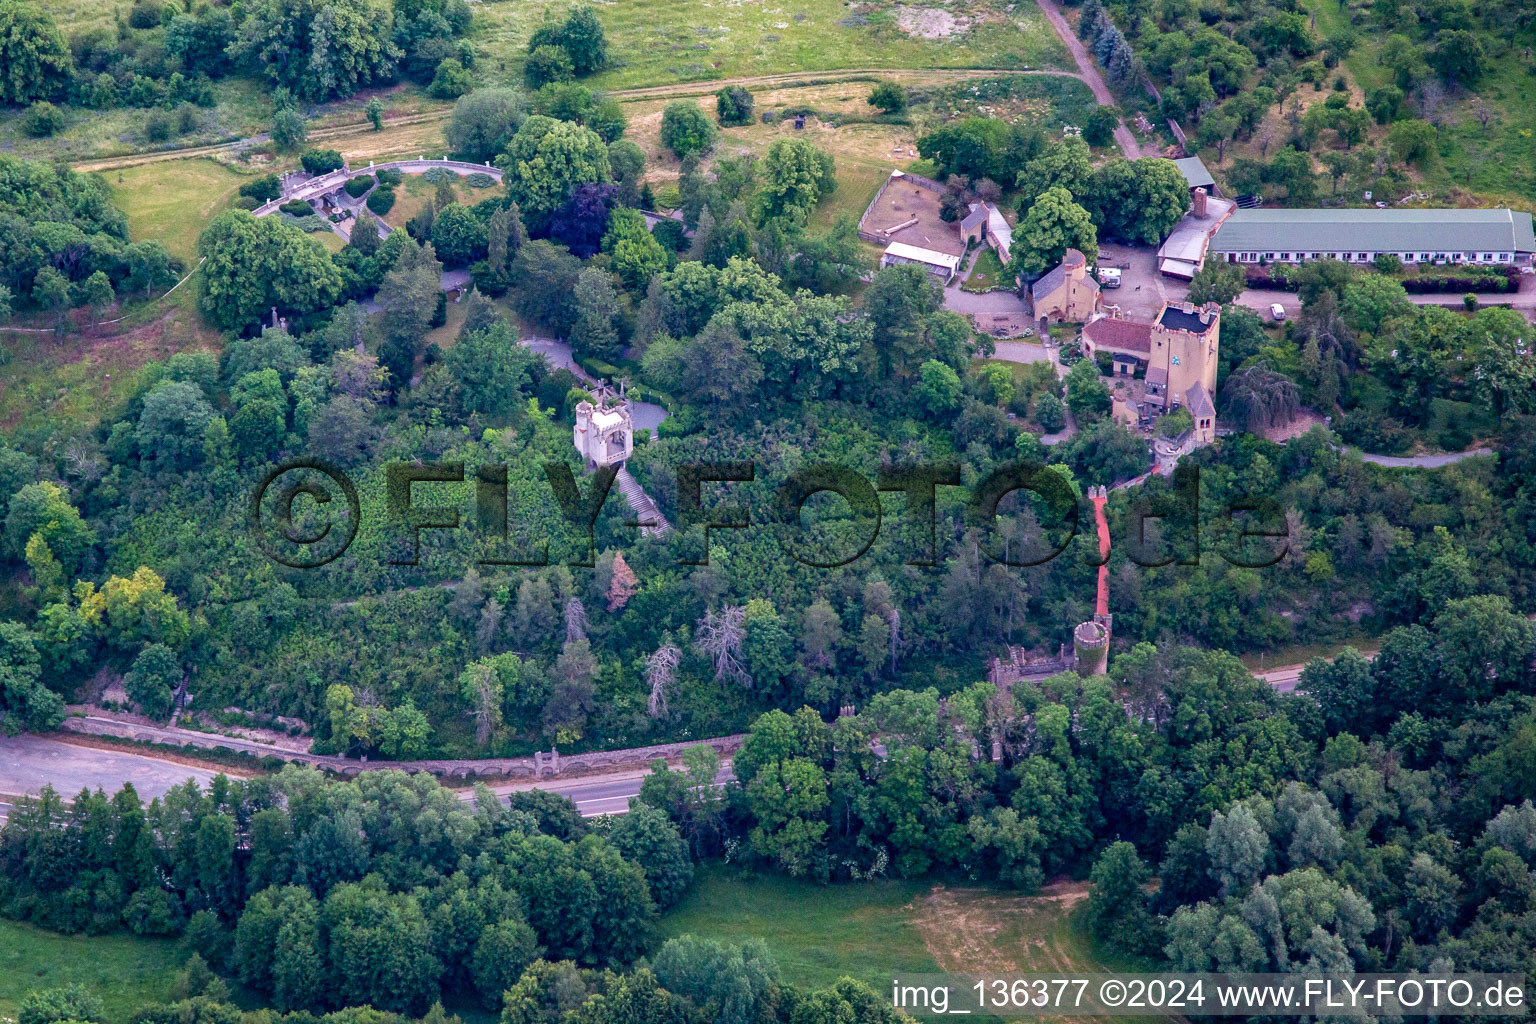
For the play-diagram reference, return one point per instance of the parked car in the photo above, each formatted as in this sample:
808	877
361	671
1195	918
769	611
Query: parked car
1278	312
1109	277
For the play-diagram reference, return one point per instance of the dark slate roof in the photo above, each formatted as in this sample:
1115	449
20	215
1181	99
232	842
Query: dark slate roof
1049	283
1176	319
1113	333
1199	401
977	216
1157	375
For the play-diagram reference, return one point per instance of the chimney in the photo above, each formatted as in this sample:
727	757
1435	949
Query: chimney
1197	206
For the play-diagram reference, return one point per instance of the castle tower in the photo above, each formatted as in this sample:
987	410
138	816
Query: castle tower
604	434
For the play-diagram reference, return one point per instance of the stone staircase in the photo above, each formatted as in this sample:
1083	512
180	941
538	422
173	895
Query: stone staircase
652	522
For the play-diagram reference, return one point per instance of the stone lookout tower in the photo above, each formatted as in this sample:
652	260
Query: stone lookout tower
604	433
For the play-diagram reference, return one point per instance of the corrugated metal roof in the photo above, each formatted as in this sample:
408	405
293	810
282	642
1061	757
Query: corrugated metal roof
921	255
1375	231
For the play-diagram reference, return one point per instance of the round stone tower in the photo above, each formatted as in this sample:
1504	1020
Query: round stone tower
1090	642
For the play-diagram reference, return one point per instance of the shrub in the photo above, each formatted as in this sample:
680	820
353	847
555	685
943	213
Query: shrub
1099	128
43	119
1455	283
297	208
888	97
437	175
451	80
246	203
381	200
145	14
263	189
733	105
390	176
547	64
321	161
685	130
669	233
158	126
358	185
479	180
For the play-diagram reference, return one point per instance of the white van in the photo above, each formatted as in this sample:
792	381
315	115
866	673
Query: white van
1109	277
1278	312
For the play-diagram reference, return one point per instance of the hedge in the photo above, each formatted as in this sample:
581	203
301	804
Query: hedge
1447	283
297	208
358	185
381	200
321	161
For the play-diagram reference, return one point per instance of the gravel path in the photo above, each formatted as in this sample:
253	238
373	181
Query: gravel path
1090	75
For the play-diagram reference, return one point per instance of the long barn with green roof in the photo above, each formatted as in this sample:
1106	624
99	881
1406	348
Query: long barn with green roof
1358	236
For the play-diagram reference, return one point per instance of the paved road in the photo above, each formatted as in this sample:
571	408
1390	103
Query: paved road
29	762
1090	75
1524	300
646	415
598	794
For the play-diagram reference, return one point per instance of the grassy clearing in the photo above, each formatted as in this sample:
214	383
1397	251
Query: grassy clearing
171	202
871	930
866	151
817	933
416	191
50	382
124	971
659	41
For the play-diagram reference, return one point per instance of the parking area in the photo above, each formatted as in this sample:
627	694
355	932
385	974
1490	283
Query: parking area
1142	289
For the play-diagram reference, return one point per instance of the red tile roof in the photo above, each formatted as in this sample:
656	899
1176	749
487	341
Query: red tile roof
1122	335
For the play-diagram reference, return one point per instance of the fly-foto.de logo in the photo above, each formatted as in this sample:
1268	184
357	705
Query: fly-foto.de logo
306	513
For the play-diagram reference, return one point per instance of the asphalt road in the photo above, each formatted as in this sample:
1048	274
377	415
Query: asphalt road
29	762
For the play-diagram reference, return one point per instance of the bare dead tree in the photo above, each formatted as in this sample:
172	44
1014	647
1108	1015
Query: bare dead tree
575	620
83	459
1266	139
487	701
893	619
489	624
660	670
720	637
1484	114
1432	101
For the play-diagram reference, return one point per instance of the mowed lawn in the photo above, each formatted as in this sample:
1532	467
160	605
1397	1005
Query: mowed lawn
818	933
124	971
656	42
172	201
